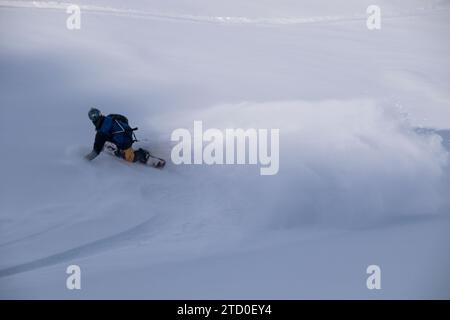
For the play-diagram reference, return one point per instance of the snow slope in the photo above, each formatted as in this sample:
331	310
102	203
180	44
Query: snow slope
364	177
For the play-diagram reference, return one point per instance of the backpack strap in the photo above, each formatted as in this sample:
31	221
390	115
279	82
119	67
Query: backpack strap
134	136
126	130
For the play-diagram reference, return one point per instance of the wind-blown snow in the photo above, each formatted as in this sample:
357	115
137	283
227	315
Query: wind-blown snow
363	119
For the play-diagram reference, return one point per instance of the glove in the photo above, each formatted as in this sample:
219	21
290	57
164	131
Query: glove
91	156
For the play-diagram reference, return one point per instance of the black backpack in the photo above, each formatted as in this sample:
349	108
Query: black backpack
122	121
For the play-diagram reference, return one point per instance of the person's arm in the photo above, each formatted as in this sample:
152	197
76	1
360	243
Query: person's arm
100	140
91	155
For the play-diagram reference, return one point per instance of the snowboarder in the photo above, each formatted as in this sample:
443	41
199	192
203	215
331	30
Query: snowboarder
115	129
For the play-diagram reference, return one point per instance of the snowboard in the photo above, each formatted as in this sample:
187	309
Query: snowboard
152	161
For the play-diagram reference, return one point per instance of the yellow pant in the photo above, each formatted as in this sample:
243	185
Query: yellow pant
129	154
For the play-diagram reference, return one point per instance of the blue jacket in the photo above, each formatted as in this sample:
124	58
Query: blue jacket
113	128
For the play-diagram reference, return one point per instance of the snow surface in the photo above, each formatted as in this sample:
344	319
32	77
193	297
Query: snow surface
364	173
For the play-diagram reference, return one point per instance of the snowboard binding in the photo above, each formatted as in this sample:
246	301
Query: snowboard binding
140	155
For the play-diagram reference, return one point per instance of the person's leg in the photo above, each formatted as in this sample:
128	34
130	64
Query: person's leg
141	155
129	155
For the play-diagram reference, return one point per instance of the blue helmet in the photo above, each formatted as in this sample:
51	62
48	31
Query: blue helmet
94	114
